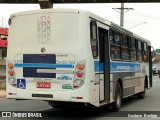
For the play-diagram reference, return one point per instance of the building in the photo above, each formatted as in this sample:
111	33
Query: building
3	51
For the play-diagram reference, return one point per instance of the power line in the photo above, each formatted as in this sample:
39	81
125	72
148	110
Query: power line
137	25
140	13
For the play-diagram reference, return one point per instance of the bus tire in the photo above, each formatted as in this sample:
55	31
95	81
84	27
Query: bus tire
57	105
142	95
118	98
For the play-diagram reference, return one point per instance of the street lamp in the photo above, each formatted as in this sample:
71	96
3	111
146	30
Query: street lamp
137	25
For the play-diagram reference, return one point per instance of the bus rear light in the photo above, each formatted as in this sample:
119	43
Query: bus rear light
78	83
80	67
10	93
12	80
79	97
14	85
10	66
79	74
75	86
11	73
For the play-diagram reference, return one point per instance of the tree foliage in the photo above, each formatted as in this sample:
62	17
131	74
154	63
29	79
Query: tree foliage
153	53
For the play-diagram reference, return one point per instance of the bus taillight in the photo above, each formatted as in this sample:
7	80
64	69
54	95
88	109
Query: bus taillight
75	86
11	75
10	66
80	67
79	75
11	80
78	83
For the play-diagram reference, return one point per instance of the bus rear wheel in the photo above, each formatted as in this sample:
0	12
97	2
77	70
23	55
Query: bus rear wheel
142	95
118	98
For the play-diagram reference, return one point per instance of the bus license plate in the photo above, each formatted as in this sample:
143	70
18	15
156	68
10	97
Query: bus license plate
43	85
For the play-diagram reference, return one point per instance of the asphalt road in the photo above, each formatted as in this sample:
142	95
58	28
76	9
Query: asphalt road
150	103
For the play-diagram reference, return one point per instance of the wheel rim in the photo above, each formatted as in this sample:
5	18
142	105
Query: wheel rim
118	100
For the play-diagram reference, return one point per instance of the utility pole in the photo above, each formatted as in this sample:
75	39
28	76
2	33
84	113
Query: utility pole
122	13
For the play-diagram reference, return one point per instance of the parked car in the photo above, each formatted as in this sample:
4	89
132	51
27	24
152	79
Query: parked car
155	71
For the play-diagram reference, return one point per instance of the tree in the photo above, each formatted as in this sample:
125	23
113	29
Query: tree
153	53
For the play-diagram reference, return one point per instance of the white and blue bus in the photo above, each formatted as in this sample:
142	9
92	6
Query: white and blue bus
69	56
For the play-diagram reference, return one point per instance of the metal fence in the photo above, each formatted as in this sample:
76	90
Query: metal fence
2	84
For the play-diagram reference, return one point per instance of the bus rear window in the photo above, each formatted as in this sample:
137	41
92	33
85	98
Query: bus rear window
53	30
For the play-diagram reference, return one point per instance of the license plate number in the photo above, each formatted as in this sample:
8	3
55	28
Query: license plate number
43	85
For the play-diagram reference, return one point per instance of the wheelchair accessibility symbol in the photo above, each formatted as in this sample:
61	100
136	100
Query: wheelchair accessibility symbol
21	83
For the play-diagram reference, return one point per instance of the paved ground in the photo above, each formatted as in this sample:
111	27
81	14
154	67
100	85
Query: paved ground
150	103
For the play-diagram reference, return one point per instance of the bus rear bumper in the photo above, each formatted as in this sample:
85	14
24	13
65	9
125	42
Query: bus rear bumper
43	95
66	96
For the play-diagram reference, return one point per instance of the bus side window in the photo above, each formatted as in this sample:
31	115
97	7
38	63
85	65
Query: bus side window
101	34
145	53
115	50
93	37
111	36
125	48
136	45
139	52
133	49
117	38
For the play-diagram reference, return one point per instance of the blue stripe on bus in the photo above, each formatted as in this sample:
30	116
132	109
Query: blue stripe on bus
44	65
117	66
98	67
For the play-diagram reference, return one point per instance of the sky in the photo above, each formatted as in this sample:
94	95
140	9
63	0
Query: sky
143	20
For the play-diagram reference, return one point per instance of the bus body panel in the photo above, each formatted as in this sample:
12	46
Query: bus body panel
60	41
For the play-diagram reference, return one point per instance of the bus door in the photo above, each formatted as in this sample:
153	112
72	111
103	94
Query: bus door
150	67
104	65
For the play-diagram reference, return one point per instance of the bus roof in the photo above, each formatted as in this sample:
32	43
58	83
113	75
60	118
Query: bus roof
46	11
117	27
90	14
